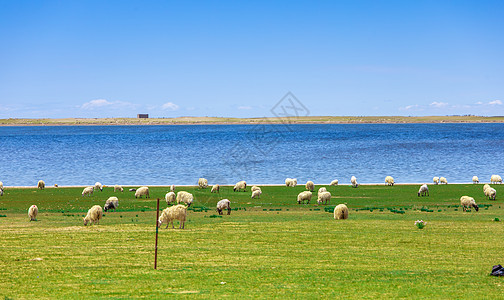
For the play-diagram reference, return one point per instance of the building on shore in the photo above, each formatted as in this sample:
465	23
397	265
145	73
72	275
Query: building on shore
142	116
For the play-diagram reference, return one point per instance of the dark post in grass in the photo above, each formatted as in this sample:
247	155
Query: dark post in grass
157	230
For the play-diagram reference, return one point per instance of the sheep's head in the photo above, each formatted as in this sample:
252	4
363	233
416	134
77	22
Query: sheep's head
476	207
85	221
159	222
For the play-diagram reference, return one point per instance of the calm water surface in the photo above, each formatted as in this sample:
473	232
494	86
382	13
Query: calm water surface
224	154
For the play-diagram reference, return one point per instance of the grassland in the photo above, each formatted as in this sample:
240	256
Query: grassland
223	120
269	247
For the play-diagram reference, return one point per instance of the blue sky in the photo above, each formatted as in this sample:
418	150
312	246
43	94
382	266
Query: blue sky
232	59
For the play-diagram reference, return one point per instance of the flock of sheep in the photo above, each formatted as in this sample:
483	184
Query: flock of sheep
185	199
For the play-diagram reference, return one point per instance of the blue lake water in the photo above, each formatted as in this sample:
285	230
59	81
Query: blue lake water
264	154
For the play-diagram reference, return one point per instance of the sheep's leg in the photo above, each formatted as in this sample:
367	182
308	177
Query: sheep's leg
172	226
229	211
183	224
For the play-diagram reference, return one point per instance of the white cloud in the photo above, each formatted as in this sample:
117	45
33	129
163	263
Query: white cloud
495	102
169	106
479	103
244	107
410	107
104	103
438	104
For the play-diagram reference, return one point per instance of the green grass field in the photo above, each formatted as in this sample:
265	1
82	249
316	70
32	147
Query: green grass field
268	247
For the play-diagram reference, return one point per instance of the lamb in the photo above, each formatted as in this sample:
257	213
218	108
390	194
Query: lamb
306	195
33	212
111	203
202	183
170	198
310	186
118	188
215	188
324	197
292	182
94	215
468	202
334	182
255	188
389	180
435	180
185	197
495	179
240	185
41	185
87	191
341	212
172	213
141	191
256	194
321	190
424	190
443	180
490	193
224	204
475	179
98	186
486	186
353	180
172	188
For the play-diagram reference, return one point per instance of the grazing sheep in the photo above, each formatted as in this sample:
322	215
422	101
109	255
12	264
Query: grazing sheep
98	186
256	194
353	180
306	195
111	203
224	204
341	212
240	185
170	198
215	188
495	179
118	188
475	179
486	186
334	182
468	202
310	186
389	180
172	188
443	180
435	180
321	190
202	183
94	215
424	190
41	185
185	197
132	190
33	212
490	193
172	213
292	182
255	188
87	191
324	197
141	191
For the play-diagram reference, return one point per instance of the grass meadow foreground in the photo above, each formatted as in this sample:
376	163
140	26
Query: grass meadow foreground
268	247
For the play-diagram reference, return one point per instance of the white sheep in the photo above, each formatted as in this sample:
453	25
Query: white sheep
435	180
94	215
118	188
111	203
170	198
468	202
321	190
310	186
98	186
224	204
256	194
185	197
424	190
490	193
215	188
202	183
324	197
495	179
87	191
486	186
475	179
291	182
353	180
306	195
255	188
41	184
172	213
172	188
443	180
334	182
389	180
341	212
33	212
142	191
239	186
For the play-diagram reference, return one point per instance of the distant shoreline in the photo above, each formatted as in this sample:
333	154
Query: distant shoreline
245	121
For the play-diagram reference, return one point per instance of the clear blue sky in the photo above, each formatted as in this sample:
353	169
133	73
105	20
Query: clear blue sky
228	58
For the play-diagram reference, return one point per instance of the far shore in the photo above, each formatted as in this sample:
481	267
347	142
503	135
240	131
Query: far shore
244	121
